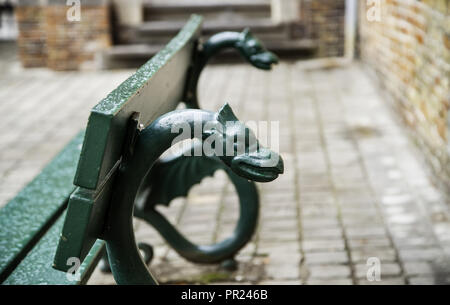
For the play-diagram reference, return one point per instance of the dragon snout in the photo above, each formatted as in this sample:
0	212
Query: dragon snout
258	168
277	160
264	60
280	166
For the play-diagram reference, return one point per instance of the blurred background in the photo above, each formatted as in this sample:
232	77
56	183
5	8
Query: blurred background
127	33
361	93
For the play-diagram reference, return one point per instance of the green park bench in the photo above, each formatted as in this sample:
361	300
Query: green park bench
56	229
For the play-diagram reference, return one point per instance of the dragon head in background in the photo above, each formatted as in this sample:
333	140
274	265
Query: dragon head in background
254	51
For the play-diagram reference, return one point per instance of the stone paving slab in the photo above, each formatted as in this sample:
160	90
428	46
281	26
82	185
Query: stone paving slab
353	189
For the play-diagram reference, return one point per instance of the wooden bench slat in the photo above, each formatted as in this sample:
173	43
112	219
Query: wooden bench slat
156	88
36	267
27	216
87	211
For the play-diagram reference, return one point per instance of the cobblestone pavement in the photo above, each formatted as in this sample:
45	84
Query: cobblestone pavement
353	188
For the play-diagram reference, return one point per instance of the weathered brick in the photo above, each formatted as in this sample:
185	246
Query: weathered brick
326	258
320	245
386	281
47	38
330	282
387	270
410	52
329	271
383	254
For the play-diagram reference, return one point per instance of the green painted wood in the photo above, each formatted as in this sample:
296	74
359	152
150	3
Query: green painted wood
36	267
27	216
87	215
156	88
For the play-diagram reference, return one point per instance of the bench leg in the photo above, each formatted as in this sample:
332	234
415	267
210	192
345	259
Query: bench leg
230	264
146	250
223	251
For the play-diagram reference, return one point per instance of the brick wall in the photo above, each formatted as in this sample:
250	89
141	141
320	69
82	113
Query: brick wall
72	45
409	48
32	38
324	21
48	38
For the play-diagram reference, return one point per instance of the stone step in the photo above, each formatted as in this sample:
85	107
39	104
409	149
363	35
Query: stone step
209	26
160	32
211	9
136	44
134	55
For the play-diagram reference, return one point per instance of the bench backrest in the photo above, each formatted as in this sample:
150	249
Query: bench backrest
155	89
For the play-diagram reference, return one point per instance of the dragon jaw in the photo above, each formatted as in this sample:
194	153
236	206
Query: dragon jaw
263	60
257	168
